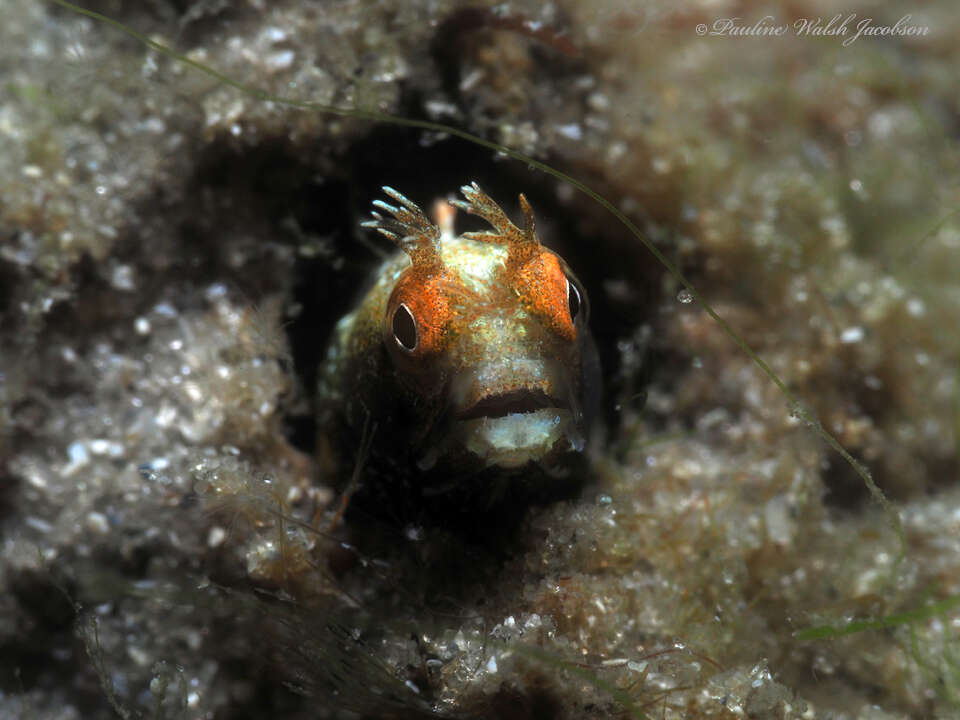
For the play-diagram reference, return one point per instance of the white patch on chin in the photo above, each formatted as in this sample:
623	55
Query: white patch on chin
514	440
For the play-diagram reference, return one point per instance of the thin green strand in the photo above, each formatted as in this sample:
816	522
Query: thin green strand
908	617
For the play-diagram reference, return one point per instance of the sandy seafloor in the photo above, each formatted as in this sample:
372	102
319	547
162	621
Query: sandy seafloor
174	252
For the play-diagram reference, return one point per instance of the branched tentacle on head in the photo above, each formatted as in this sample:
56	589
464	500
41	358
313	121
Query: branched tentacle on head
522	245
410	230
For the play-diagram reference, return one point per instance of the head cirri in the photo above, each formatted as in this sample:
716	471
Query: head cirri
467	352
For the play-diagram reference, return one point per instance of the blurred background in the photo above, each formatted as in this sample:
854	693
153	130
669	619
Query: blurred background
174	253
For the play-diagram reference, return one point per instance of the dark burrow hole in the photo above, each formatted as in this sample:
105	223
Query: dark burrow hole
47	650
592	245
318	201
845	489
8	283
847	492
310	198
329	285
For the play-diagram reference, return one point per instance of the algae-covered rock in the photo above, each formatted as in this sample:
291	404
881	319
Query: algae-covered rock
176	246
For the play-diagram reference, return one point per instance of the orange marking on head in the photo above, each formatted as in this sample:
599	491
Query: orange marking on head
534	272
428	301
542	286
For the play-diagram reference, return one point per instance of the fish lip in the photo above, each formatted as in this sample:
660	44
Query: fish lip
513	402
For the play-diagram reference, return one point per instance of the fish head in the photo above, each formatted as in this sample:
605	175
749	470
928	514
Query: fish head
487	332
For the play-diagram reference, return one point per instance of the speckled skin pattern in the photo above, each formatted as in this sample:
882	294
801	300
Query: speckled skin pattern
500	370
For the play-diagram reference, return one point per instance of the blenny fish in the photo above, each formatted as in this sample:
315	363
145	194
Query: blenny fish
467	353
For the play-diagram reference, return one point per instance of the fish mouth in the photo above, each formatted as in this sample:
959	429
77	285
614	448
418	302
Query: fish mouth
515	402
508	414
513	440
511	429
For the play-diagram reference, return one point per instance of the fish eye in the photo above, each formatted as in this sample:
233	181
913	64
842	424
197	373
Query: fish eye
404	328
574	301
